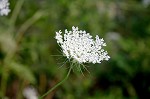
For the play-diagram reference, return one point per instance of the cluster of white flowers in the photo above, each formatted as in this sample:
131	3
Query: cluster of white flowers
4	7
30	93
79	46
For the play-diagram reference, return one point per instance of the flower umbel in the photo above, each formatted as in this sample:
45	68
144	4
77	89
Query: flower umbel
4	7
79	46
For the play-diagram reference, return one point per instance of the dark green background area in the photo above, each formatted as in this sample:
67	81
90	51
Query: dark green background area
28	48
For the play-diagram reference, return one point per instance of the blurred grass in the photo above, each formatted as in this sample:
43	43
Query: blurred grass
27	46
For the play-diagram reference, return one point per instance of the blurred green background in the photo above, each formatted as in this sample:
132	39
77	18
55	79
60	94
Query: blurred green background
27	46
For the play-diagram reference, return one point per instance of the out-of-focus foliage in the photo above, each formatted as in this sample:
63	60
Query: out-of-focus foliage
27	48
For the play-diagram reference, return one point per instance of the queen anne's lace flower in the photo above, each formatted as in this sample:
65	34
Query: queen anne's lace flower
79	46
4	7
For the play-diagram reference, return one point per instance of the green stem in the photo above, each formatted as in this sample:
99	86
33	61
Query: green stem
56	84
16	12
4	81
27	24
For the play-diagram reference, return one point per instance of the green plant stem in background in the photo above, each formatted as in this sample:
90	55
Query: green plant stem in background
56	84
4	78
27	24
15	14
5	72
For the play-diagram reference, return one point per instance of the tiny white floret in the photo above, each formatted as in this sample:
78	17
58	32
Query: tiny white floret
4	7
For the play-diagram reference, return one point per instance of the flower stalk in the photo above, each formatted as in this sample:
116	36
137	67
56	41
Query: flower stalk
61	82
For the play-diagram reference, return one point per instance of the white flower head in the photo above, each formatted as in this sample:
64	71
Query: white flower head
4	7
81	47
30	93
